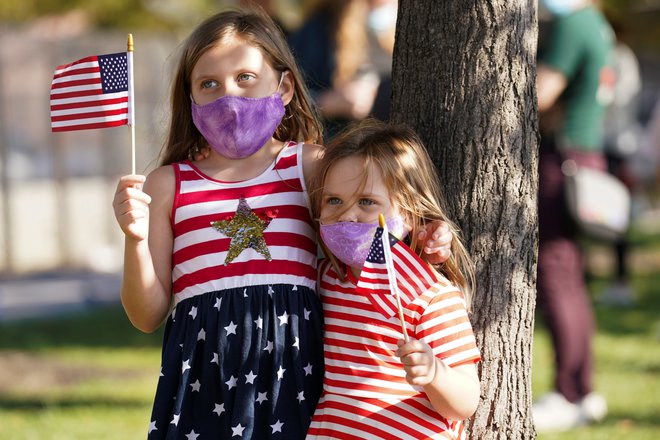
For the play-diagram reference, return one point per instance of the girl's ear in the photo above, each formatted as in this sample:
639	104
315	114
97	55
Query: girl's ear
287	87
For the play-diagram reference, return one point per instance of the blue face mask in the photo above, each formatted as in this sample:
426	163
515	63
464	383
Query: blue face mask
560	7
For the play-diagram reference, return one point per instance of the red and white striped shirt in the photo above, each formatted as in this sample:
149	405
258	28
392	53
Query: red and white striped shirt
365	394
199	250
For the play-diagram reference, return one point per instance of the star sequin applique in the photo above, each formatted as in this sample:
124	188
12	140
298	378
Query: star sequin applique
246	230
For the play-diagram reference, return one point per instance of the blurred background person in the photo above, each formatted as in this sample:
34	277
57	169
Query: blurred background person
574	86
344	48
622	133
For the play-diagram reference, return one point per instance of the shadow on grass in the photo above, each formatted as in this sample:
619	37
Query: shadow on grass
36	404
104	327
638	318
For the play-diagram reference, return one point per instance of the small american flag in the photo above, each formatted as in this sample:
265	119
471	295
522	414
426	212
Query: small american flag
413	276
90	93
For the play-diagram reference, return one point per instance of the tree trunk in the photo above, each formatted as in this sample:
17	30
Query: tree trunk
464	78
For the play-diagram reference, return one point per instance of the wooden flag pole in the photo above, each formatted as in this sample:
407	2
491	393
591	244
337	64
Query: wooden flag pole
391	275
131	100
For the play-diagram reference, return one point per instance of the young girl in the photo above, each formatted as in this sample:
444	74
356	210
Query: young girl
228	240
376	386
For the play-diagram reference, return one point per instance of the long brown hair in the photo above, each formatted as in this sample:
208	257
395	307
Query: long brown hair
411	180
256	28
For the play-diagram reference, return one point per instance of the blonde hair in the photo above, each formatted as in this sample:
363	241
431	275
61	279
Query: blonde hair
411	180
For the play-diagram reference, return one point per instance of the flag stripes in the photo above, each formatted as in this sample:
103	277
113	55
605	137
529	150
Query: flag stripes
90	93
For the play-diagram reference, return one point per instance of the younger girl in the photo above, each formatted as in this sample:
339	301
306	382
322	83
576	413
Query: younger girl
376	386
228	239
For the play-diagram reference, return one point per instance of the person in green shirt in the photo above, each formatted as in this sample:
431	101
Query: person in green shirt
574	86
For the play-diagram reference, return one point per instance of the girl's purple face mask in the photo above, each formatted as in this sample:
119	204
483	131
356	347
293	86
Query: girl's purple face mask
237	127
350	241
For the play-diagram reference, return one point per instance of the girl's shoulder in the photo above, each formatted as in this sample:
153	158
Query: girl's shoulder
311	153
161	182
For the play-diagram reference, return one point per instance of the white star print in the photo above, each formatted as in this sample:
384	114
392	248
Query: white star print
216	359
259	322
249	378
218	303
308	369
192	435
201	336
295	288
280	373
219	409
277	427
245	293
262	397
193	312
307	313
269	346
297	343
301	396
237	430
152	426
185	366
284	319
231	383
195	385
175	419
270	291
231	328
161	372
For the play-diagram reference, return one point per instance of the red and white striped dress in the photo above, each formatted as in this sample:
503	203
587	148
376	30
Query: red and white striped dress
365	394
242	346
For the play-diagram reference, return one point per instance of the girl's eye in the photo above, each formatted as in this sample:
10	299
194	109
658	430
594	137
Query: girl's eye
208	84
333	201
244	77
366	202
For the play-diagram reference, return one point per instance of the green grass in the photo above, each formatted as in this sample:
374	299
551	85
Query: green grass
627	350
93	376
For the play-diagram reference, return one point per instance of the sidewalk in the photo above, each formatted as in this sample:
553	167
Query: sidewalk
55	293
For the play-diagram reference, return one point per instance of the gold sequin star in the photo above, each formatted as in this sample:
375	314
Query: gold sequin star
246	230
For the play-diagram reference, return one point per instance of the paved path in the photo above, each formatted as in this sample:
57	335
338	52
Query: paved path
55	293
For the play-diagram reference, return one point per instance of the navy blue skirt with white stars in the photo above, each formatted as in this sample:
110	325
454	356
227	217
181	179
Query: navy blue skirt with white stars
241	363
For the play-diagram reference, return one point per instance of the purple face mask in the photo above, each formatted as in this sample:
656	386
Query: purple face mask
350	241
237	127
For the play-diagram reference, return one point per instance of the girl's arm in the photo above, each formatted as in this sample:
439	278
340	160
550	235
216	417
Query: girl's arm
144	216
453	391
311	153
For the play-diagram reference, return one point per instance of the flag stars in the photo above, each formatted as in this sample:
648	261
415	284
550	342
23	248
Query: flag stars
284	319
259	322
192	435
175	420
201	336
297	342
185	366
301	396
280	373
232	382
218	303
216	359
152	426
307	313
308	369
277	426
193	312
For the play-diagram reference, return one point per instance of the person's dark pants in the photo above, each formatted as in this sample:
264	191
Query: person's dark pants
562	295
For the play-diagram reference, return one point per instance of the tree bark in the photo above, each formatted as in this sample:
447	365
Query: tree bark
464	77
